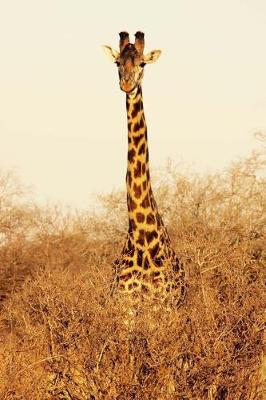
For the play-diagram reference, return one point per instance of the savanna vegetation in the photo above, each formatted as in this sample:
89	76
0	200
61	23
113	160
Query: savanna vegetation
62	334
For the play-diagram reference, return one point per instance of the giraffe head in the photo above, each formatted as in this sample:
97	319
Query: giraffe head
130	60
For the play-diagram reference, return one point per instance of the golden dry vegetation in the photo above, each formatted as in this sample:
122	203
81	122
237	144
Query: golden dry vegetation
62	334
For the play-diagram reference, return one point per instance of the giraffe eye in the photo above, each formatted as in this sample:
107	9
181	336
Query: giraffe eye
142	64
117	63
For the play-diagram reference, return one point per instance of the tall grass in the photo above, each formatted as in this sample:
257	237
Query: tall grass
63	336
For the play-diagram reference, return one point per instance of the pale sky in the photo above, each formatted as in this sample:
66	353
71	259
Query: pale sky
62	114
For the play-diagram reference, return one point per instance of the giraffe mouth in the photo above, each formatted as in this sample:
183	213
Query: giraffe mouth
128	87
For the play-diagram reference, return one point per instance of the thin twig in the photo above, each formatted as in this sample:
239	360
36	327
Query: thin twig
101	355
38	362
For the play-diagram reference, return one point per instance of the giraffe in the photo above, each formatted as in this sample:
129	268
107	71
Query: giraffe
148	264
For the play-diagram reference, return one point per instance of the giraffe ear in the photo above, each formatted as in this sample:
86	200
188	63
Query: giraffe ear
152	56
112	54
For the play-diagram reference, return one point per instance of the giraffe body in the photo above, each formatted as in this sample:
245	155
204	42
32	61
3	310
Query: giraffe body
148	264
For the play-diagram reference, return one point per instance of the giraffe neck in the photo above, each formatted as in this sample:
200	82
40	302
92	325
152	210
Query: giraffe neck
147	262
142	208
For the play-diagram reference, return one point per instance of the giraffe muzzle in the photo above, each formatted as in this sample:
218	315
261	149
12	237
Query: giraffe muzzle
127	84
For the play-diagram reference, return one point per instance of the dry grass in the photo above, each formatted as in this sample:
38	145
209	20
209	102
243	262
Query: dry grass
64	337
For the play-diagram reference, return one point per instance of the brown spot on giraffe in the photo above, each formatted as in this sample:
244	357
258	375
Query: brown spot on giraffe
150	219
141	237
131	155
136	273
151	235
154	250
159	261
136	109
142	149
131	204
129	178
146	264
141	123
144	288
137	190
137	170
132	225
146	201
147	157
131	263
126	277
137	139
140	217
139	257
136	127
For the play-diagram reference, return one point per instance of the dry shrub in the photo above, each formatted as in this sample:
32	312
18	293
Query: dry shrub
63	336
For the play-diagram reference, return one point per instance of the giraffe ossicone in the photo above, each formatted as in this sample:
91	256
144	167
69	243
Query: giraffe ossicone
148	264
